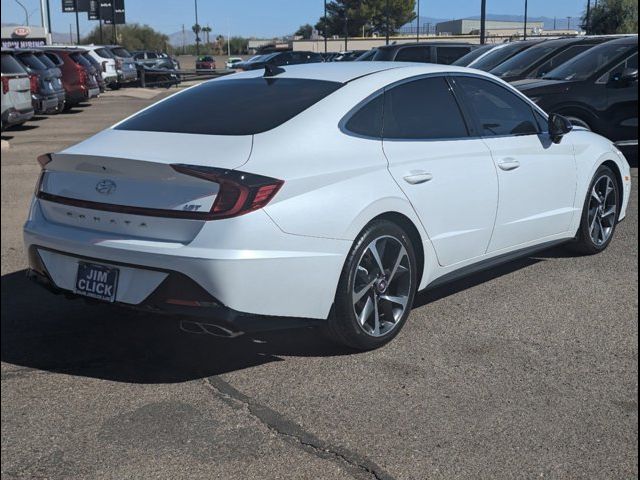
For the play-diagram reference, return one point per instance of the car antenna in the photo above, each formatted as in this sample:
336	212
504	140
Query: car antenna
272	70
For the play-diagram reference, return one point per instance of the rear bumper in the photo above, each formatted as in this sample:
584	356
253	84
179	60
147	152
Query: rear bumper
44	104
127	76
245	264
93	92
16	117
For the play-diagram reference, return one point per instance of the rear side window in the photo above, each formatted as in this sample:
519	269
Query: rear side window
80	60
448	55
10	66
54	58
498	111
121	52
424	109
414	54
30	60
368	120
232	107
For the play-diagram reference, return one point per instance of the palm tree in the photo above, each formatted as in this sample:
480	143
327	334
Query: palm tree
207	31
197	29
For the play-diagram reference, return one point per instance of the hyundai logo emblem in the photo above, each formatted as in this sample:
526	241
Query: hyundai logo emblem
106	187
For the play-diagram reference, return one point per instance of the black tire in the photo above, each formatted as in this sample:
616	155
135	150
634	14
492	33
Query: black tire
585	243
343	326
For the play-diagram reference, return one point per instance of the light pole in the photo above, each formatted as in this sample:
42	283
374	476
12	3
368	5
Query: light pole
324	30
526	11
418	22
587	21
197	29
346	30
483	21
26	13
568	23
387	22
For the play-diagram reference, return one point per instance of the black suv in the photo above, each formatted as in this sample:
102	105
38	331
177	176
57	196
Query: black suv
540	59
279	59
597	90
424	52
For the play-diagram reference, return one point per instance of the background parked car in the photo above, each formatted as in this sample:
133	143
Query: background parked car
205	62
97	70
153	59
540	59
474	55
425	52
16	92
78	83
57	81
280	59
107	62
349	56
125	65
597	90
500	54
232	61
46	88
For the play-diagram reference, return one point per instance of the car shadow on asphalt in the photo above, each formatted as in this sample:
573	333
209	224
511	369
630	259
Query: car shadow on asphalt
48	332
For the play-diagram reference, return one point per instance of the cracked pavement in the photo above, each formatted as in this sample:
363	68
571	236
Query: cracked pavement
528	370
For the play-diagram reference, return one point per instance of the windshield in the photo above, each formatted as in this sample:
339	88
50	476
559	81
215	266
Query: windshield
466	60
522	61
30	60
589	62
121	52
498	55
232	106
367	56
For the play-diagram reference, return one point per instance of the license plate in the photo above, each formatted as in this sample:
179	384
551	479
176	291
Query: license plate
97	281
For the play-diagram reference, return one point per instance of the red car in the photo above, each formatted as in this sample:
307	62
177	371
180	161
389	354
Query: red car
77	79
206	62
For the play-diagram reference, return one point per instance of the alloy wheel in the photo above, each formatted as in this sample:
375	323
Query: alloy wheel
382	286
603	208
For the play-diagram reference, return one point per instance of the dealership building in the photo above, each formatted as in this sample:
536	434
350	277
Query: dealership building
23	36
465	26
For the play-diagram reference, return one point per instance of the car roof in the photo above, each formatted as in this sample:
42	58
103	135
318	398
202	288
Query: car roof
625	40
426	44
344	72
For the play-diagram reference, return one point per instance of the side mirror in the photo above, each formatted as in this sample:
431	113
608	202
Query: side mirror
625	78
558	127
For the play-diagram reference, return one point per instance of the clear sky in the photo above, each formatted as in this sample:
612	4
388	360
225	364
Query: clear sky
267	18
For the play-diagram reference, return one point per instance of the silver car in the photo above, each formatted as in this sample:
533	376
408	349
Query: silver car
125	64
16	92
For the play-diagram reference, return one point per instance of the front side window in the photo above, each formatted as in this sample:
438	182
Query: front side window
423	109
414	54
245	106
448	55
631	62
558	60
151	55
121	52
497	110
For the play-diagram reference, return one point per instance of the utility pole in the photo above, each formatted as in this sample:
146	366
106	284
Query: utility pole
483	21
70	34
587	21
197	30
75	6
113	22
387	22
526	11
183	40
554	23
568	23
418	23
346	30
324	30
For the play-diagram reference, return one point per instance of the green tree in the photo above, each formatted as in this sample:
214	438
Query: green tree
131	36
612	16
368	15
305	31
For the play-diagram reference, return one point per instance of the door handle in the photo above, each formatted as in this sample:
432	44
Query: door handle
417	178
509	164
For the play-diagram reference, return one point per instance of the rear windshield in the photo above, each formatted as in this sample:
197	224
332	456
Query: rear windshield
80	60
46	60
11	66
30	60
87	56
121	52
103	52
232	107
55	58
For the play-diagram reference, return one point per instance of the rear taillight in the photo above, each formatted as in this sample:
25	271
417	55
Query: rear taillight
82	74
5	85
43	160
33	83
238	193
104	66
118	64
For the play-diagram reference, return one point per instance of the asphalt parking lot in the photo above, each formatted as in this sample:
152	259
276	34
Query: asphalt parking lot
528	370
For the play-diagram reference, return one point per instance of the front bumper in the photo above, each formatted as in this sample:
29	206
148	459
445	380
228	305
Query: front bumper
246	264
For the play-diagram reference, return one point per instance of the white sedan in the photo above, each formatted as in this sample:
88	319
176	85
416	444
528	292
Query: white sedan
324	193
